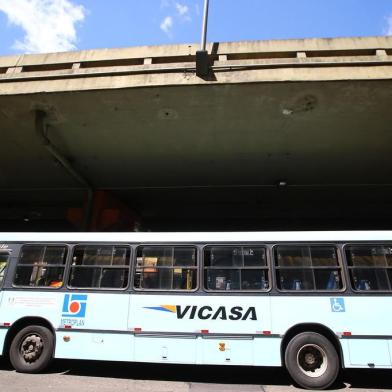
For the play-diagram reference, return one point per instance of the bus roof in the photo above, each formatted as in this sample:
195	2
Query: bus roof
205	237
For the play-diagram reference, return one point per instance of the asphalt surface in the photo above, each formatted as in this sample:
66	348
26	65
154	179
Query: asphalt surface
67	376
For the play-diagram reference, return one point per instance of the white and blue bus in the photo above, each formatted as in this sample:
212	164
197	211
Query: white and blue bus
314	302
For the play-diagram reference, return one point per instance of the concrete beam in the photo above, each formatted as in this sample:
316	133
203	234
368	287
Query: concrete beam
167	51
182	78
367	58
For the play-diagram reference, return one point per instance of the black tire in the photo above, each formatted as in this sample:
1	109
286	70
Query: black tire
31	349
312	361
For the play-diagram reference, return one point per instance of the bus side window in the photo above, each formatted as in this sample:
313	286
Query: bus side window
3	265
302	267
41	266
370	267
236	268
166	268
100	266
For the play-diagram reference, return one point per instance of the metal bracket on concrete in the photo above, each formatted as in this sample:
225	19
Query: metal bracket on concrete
202	58
202	63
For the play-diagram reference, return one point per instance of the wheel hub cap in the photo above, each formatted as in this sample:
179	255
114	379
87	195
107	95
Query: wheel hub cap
31	348
312	360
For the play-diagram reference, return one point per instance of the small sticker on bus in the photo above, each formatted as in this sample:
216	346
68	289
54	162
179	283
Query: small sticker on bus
337	305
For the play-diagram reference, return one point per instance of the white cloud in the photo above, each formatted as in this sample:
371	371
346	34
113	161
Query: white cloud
49	25
389	25
183	11
167	25
179	12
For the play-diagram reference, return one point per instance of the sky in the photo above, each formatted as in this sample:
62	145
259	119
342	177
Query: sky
40	26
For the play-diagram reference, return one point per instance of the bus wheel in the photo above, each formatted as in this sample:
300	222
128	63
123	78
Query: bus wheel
31	349
312	360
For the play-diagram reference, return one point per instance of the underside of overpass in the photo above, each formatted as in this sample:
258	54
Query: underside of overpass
281	135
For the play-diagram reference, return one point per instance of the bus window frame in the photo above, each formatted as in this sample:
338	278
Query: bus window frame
22	245
236	245
8	254
341	265
104	289
179	245
353	289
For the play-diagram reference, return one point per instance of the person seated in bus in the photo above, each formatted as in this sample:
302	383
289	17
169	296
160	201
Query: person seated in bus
56	283
363	285
333	281
55	280
149	281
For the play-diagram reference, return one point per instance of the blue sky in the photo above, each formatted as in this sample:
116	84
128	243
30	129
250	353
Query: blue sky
28	26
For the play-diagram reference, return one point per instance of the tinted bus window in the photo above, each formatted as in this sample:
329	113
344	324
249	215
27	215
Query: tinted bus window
3	265
41	266
235	268
166	268
370	267
307	268
100	266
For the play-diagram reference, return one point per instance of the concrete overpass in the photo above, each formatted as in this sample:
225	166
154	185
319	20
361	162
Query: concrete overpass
280	135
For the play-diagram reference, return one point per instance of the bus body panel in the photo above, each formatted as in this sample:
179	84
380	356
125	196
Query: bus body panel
390	348
94	346
96	311
1	300
289	311
366	353
104	316
20	304
103	311
359	315
367	315
267	351
3	334
169	349
369	353
362	316
196	316
196	313
234	351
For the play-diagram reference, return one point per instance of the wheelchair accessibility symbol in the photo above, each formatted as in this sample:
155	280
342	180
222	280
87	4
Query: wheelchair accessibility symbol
337	305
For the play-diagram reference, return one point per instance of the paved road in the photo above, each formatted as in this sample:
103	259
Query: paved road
86	376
